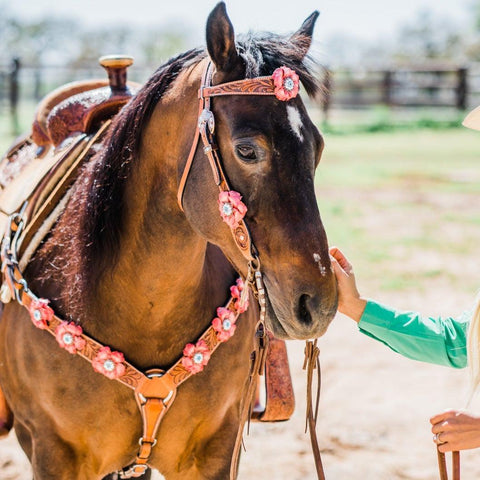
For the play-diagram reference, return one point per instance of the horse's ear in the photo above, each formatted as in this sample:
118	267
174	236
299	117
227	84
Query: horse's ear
221	39
302	38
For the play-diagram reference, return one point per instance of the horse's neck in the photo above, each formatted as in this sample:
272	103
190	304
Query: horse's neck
167	281
169	294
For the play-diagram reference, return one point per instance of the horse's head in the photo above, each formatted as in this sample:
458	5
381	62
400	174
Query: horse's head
269	150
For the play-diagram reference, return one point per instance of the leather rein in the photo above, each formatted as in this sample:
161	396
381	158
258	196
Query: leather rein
155	389
442	465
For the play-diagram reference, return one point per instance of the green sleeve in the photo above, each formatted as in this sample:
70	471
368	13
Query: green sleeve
442	341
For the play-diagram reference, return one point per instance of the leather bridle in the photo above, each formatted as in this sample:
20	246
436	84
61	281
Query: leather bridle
205	130
271	86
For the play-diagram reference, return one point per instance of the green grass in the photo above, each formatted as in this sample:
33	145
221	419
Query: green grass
381	118
8	131
442	158
404	205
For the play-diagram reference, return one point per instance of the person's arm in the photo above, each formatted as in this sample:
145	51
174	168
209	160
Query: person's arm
435	340
438	340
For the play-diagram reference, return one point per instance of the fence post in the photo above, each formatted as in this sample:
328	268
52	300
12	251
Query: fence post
461	90
14	88
387	87
327	84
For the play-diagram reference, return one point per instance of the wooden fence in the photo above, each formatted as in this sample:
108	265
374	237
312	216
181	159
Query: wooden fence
410	86
10	91
456	87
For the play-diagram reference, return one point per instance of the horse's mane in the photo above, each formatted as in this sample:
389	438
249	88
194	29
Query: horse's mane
100	216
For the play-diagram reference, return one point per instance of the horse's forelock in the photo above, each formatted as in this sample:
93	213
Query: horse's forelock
264	52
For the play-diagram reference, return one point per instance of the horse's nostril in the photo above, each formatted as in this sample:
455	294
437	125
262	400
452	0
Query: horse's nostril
303	312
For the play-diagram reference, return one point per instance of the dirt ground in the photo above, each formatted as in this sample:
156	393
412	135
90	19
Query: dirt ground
373	422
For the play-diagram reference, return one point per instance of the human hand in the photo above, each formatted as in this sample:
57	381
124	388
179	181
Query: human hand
456	430
350	302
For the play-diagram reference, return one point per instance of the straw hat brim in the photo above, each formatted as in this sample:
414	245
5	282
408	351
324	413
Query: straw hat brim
472	120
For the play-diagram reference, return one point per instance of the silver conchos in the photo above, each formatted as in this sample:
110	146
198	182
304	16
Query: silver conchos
227	209
288	84
109	365
198	358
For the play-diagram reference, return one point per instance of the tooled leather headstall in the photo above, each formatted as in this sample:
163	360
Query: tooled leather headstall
284	85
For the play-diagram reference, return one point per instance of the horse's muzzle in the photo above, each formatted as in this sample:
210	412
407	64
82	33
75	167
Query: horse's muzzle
308	316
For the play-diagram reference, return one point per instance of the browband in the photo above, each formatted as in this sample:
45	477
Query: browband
248	86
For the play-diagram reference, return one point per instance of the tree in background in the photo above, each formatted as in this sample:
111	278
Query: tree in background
46	45
159	44
473	45
38	41
57	40
430	37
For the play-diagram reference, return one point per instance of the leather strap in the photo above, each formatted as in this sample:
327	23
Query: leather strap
442	465
154	394
193	149
312	362
257	367
205	130
248	86
280	399
257	362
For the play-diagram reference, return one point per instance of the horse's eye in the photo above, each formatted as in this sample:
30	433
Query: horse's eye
246	152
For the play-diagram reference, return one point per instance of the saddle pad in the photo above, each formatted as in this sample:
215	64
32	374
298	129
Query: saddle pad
20	188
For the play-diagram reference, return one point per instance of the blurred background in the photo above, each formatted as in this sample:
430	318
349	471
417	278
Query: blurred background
385	64
398	189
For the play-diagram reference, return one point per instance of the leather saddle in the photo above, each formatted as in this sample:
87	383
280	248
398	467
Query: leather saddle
37	171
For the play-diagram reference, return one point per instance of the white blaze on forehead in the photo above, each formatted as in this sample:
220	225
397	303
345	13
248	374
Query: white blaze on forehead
295	121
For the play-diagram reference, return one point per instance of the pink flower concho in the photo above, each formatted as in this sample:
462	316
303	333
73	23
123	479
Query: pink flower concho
40	313
224	323
195	357
236	292
69	337
286	83
109	363
232	209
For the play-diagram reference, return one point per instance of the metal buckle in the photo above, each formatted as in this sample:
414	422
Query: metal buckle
141	441
23	288
166	400
206	118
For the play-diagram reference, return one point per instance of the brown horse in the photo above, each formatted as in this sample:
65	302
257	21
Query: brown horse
142	275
